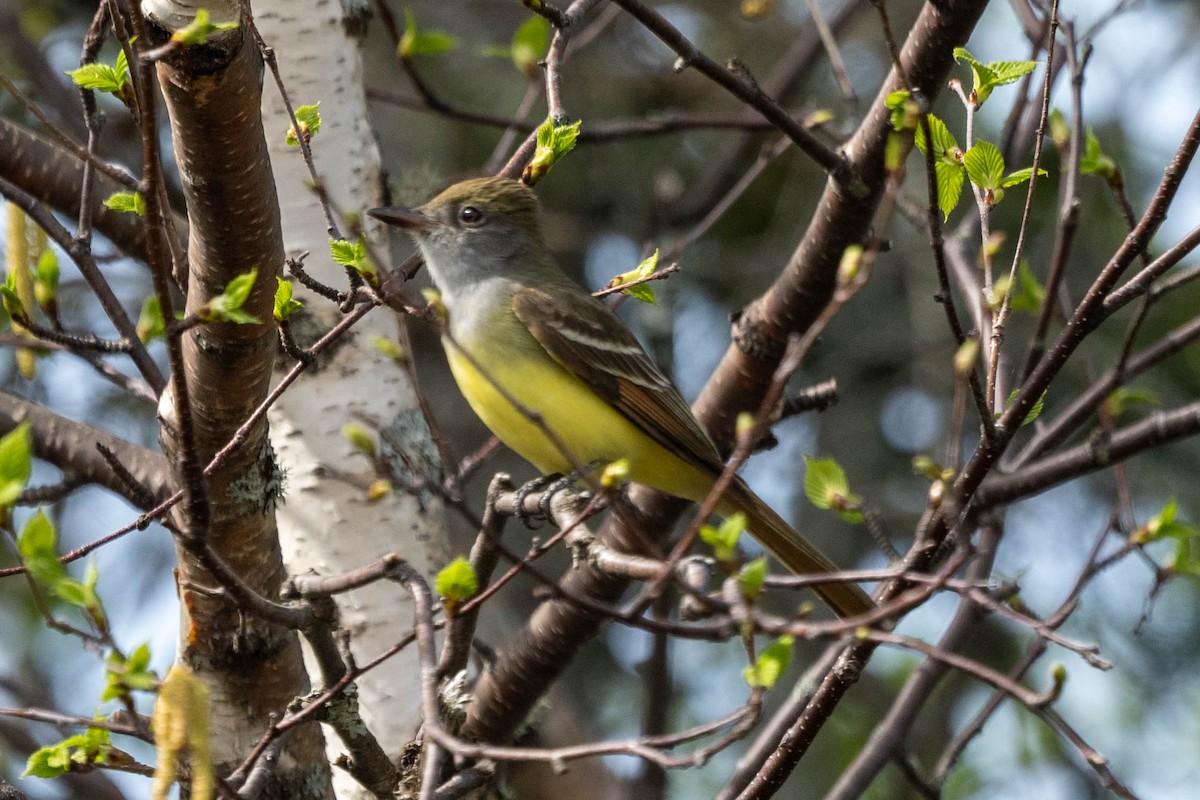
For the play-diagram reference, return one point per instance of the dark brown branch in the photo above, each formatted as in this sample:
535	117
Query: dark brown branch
71	446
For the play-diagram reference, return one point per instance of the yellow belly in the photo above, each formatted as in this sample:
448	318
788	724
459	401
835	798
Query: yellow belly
582	427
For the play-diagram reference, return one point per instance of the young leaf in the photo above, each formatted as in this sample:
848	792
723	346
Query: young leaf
389	348
824	480
949	186
1060	131
1035	410
130	202
641	291
615	474
925	466
1120	400
16	462
1029	294
1164	525
751	576
150	324
965	357
359	438
904	111
945	147
1020	176
826	487
227	306
947	162
45	277
457	582
985	165
771	663
199	29
285	305
993	74
308	117
1095	162
723	539
529	45
849	264
38	547
414	42
553	142
75	752
104	78
353	255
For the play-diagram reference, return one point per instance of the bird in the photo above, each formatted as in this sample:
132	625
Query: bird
522	336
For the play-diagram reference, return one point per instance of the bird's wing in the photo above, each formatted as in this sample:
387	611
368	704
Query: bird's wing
591	342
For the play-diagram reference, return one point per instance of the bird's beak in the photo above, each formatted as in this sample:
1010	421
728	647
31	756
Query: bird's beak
408	218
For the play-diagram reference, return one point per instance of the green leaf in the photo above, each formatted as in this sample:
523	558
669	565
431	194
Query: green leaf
285	305
37	544
1060	131
553	142
1094	161
945	147
965	357
993	74
199	29
1019	177
723	539
72	592
1035	410
985	165
74	753
102	77
389	348
947	163
80	595
1121	400
227	306
308	117
457	582
641	291
359	438
16	463
826	487
150	324
414	42
129	674
1030	294
10	298
130	202
529	45
1006	72
353	255
751	577
904	111
771	663
1187	558
46	276
949	186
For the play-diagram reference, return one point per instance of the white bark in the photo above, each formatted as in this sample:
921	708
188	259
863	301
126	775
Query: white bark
326	523
176	14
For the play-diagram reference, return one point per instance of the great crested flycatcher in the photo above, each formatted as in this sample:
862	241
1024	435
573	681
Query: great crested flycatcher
517	322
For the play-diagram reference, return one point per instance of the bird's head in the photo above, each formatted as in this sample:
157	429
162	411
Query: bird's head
475	229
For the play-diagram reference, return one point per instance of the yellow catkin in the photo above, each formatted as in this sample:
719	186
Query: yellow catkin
17	258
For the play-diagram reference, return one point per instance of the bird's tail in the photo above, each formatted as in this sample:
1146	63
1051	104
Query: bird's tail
793	550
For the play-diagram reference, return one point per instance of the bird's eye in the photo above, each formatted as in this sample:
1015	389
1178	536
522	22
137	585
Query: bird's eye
470	215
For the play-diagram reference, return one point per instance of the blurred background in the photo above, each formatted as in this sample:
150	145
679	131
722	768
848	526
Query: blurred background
608	205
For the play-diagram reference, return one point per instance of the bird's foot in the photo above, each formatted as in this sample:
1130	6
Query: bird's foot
530	519
548	486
